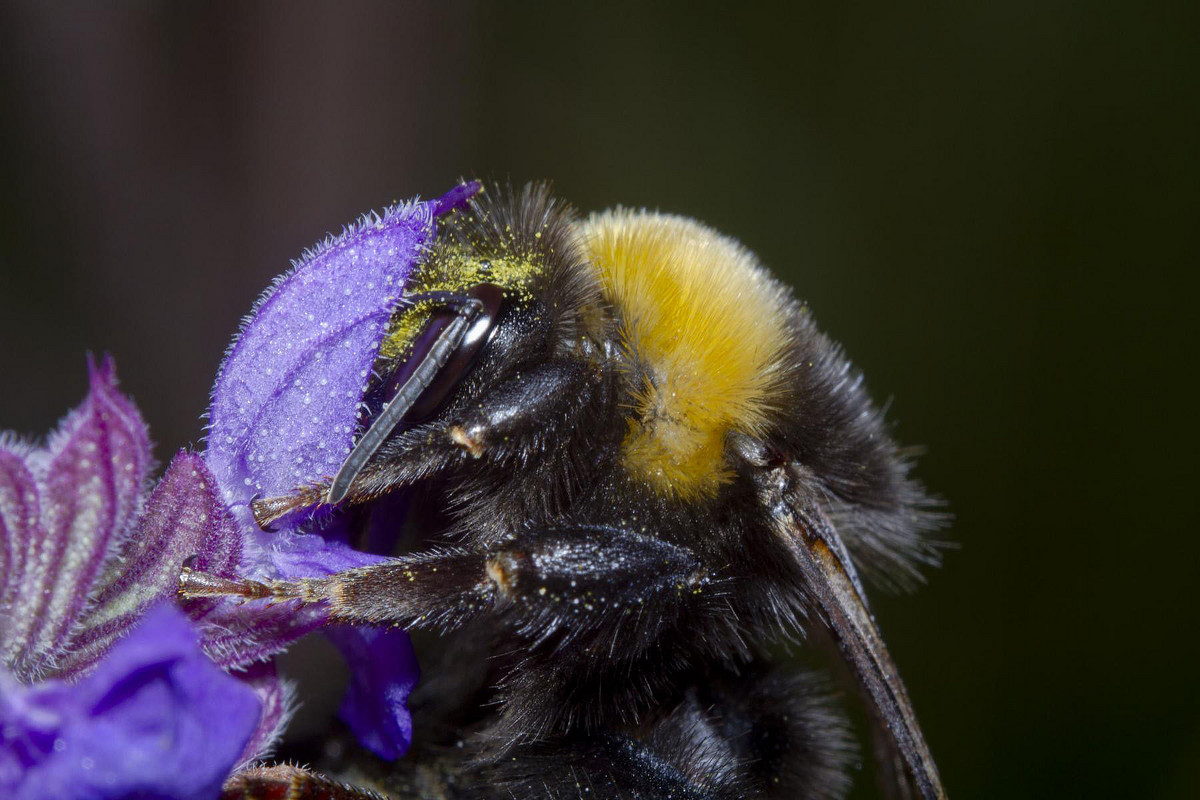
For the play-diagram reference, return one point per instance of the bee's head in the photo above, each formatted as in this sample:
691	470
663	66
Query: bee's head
500	291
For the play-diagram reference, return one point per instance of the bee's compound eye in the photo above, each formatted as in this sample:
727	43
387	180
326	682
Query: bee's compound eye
491	300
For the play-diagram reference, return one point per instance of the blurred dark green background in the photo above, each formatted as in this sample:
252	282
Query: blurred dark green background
993	206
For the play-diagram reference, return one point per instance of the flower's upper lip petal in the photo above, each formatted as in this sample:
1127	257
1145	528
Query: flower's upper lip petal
286	400
346	349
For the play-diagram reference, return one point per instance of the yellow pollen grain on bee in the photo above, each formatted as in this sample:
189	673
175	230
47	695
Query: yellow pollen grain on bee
454	268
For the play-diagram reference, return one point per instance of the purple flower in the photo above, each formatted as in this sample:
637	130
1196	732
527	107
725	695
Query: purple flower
106	690
85	554
376	702
287	398
286	406
66	513
154	719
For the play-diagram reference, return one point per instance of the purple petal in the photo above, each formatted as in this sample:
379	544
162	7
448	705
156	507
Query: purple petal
184	517
285	405
276	697
238	634
304	555
382	664
155	719
383	672
91	478
456	198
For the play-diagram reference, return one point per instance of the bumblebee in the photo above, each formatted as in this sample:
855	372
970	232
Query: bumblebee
637	465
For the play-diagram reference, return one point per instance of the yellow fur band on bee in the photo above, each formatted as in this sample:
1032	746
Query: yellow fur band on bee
706	325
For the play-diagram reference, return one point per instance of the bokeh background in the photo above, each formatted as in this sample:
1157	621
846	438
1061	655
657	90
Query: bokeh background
993	206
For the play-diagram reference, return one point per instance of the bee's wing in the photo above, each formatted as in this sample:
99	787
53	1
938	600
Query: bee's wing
838	597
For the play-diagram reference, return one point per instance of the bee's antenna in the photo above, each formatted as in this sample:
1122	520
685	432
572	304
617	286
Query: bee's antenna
439	353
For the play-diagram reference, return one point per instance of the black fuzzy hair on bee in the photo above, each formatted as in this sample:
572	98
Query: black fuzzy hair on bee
884	515
648	468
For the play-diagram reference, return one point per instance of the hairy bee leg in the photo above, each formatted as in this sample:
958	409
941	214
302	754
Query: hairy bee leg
575	580
194	584
420	593
287	782
536	401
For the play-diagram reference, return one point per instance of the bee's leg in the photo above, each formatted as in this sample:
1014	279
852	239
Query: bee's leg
294	783
547	397
574	581
438	588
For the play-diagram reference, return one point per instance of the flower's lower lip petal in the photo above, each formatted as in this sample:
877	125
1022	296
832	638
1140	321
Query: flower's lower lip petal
92	474
155	719
383	671
310	555
382	663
